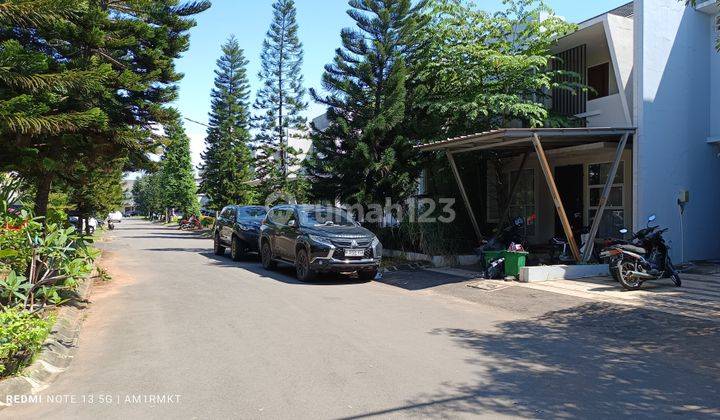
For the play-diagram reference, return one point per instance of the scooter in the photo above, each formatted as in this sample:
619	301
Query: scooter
646	258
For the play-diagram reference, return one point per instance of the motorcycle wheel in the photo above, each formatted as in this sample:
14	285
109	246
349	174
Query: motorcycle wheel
674	275
614	266
627	280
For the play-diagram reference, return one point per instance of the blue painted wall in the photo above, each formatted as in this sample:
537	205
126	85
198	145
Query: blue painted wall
674	117
714	83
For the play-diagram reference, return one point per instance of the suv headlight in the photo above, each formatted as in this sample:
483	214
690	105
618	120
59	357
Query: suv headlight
377	247
320	240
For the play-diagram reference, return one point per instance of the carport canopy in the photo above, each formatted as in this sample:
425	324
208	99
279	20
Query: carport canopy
518	141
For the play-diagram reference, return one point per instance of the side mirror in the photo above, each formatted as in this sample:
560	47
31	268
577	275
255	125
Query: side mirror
292	223
652	218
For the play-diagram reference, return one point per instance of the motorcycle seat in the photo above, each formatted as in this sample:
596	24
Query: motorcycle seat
633	248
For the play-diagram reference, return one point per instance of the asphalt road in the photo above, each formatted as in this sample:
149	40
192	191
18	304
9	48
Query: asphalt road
219	339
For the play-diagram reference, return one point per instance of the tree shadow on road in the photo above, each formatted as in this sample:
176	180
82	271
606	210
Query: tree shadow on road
420	279
284	273
595	360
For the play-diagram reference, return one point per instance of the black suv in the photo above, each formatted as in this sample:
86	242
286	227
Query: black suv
239	228
318	239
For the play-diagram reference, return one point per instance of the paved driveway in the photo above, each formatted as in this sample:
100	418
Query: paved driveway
231	340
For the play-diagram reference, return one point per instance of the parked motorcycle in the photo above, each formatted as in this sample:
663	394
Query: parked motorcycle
515	232
646	258
561	249
190	224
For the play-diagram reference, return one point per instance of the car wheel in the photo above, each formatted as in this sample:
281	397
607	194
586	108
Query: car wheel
368	275
266	256
217	246
237	249
302	266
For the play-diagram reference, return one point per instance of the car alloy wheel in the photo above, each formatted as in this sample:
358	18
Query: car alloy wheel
219	249
236	249
266	257
302	266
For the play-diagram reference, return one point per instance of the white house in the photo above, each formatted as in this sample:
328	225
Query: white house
656	80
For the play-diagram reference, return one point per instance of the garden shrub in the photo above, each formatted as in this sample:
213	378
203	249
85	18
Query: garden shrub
207	221
427	238
21	336
62	258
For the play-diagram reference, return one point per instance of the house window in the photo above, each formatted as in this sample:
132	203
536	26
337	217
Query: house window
614	216
523	203
492	206
599	81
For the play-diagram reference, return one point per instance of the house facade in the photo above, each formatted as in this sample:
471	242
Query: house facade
654	74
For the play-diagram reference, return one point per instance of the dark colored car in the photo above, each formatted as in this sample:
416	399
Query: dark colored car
238	227
318	239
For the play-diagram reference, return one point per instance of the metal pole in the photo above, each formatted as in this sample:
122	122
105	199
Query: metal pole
464	195
556	198
604	198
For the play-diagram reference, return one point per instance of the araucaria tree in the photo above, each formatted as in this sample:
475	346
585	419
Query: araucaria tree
87	73
280	103
177	174
227	168
365	156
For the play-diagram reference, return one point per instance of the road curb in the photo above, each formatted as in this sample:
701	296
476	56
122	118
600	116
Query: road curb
57	351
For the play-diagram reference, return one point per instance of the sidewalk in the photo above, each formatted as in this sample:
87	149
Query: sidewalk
699	297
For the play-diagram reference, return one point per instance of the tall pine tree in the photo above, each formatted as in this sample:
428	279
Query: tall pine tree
365	155
280	103
177	174
134	43
227	167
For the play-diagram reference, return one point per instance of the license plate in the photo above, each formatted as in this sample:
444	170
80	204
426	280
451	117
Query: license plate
354	252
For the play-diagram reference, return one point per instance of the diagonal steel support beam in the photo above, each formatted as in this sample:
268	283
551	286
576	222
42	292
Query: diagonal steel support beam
556	198
604	198
464	195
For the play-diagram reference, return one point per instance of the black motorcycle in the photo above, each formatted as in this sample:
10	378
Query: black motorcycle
647	257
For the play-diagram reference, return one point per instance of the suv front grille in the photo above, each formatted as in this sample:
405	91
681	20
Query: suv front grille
340	254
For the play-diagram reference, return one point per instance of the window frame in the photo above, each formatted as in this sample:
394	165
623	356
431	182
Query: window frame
599	95
590	208
508	175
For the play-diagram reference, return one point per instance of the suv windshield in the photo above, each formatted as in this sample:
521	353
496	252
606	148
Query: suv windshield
251	213
325	216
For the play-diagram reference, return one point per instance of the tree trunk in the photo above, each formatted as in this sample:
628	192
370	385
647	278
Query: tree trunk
42	196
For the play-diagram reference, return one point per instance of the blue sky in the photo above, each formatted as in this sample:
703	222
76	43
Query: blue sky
320	24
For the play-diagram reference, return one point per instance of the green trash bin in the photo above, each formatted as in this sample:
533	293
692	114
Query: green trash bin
490	256
514	261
